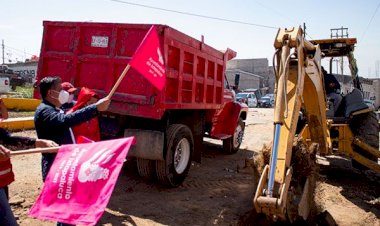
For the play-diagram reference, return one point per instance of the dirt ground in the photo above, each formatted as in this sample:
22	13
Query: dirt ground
218	191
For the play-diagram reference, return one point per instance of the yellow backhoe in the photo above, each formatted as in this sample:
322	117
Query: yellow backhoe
285	189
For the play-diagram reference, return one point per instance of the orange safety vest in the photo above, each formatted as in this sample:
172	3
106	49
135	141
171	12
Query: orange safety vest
6	173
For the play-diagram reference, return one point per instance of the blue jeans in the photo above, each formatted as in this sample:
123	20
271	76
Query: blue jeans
6	215
46	163
63	224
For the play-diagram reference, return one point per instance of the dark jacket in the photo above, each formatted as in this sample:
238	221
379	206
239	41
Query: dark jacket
52	124
13	143
67	106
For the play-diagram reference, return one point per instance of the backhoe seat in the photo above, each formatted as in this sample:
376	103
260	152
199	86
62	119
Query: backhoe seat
353	102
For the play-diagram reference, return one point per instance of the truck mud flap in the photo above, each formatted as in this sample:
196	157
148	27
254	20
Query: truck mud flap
149	144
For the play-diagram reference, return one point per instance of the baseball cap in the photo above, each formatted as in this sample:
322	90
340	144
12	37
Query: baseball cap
67	86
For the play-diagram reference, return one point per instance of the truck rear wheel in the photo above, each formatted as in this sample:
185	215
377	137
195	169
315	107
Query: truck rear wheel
146	168
231	145
179	146
366	127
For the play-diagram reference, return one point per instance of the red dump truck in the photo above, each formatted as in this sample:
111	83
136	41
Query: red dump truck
170	124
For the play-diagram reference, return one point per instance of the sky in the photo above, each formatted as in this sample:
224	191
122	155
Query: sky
21	23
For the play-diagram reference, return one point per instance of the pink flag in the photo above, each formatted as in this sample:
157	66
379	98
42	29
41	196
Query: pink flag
80	182
148	59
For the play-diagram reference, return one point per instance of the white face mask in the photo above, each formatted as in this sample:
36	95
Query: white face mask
71	98
63	96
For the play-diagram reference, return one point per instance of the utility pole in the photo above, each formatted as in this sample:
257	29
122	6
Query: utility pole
339	33
2	46
304	30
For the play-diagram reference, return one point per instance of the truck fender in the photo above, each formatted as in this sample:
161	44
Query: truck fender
227	119
149	144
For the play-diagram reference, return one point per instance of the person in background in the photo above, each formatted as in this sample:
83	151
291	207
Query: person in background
6	215
68	87
332	88
6	173
3	110
90	128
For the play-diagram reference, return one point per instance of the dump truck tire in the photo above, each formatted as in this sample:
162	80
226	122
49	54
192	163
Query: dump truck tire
366	127
146	168
231	145
179	146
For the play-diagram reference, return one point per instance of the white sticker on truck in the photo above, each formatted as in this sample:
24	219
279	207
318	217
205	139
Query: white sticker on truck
99	41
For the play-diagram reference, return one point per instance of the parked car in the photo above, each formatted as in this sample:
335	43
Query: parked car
15	79
255	91
270	95
265	102
4	85
5	69
247	98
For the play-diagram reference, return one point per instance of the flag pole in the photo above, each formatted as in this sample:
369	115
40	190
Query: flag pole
36	150
126	69
55	149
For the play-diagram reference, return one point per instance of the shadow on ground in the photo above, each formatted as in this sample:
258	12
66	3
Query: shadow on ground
359	187
216	192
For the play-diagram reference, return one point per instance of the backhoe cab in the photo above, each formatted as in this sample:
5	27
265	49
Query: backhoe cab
285	189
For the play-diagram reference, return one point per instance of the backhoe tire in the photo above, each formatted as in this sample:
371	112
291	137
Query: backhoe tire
179	147
366	127
146	168
231	145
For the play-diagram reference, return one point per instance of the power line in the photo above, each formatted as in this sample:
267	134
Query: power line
370	21
275	11
10	60
18	50
15	55
196	15
282	15
304	30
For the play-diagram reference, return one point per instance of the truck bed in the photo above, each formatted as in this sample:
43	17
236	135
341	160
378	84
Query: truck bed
95	54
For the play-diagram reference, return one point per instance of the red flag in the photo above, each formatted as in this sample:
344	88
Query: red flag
80	182
148	59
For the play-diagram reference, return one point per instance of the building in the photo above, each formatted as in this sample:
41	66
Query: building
374	92
254	74
258	66
243	79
